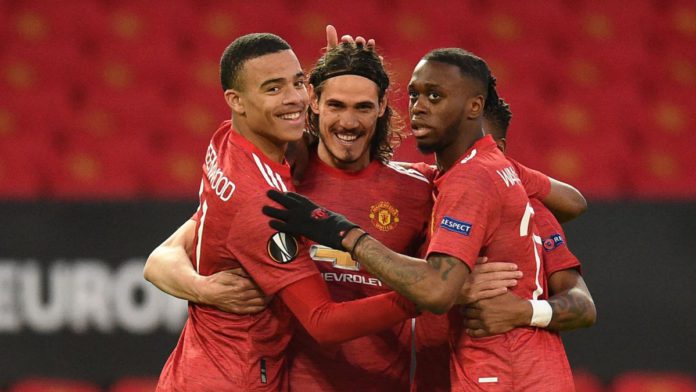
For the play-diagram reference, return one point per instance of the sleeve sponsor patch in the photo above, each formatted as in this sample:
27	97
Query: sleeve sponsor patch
456	226
282	248
553	242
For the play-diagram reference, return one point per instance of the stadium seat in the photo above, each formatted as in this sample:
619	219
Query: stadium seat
53	385
587	382
653	382
134	384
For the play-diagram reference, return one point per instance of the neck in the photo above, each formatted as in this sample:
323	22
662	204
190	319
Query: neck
270	148
447	157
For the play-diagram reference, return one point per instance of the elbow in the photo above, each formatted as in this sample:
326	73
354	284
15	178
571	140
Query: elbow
579	206
591	318
148	269
325	337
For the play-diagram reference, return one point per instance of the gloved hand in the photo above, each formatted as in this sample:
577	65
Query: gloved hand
302	216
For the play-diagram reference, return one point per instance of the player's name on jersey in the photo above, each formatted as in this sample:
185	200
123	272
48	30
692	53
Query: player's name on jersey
222	185
509	176
351	278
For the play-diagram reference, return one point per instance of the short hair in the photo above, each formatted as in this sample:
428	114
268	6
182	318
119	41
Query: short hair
470	66
243	49
499	115
354	59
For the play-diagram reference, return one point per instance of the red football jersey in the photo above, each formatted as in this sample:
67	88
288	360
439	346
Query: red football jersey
482	210
556	255
392	204
222	351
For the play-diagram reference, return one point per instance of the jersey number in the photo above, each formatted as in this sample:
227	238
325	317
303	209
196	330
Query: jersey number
536	240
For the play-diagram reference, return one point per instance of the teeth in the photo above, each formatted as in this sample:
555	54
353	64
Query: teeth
290	116
346	137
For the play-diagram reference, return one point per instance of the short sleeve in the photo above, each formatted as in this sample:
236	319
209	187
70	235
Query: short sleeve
464	215
536	183
273	259
556	254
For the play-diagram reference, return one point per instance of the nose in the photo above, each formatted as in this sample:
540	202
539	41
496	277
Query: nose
294	96
416	107
348	120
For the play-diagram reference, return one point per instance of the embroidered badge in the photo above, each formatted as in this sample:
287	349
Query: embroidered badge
553	242
384	216
282	248
456	226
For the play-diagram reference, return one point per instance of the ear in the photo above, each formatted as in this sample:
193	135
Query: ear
235	101
475	106
313	99
383	104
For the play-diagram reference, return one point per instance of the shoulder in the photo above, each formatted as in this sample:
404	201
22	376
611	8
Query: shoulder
405	174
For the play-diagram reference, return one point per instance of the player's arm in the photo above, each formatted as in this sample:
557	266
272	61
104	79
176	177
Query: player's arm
170	269
564	200
570	307
433	284
330	322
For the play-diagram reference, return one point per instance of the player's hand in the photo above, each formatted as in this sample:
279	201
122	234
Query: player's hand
232	291
302	216
297	156
332	40
496	315
488	280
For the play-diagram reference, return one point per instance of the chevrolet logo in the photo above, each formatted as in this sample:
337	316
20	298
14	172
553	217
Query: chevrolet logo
338	258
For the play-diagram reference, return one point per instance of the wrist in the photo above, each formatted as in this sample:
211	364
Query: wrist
351	238
541	313
198	287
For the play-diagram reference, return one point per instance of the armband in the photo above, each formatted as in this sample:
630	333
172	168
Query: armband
541	313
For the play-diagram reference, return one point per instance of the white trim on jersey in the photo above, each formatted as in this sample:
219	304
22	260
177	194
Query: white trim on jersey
539	290
259	164
280	181
409	172
204	206
272	178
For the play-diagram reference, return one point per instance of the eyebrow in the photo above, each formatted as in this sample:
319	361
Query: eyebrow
298	75
361	103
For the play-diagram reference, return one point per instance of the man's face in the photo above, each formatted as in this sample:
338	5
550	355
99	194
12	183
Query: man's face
438	96
274	97
348	109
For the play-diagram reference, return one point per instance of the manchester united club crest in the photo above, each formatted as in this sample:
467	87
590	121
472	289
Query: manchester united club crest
384	216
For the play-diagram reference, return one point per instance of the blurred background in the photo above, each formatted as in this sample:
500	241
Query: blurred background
106	108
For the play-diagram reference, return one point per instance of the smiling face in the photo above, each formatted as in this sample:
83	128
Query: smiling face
348	107
271	104
445	109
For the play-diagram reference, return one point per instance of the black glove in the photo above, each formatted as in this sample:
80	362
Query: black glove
303	217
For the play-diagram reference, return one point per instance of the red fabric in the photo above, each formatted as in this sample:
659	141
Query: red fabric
555	254
373	198
330	322
536	183
432	354
480	210
524	359
222	351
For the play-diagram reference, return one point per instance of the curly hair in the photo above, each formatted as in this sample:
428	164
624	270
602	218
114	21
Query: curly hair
353	59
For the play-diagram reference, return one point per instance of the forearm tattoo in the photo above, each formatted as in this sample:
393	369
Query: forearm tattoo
572	309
